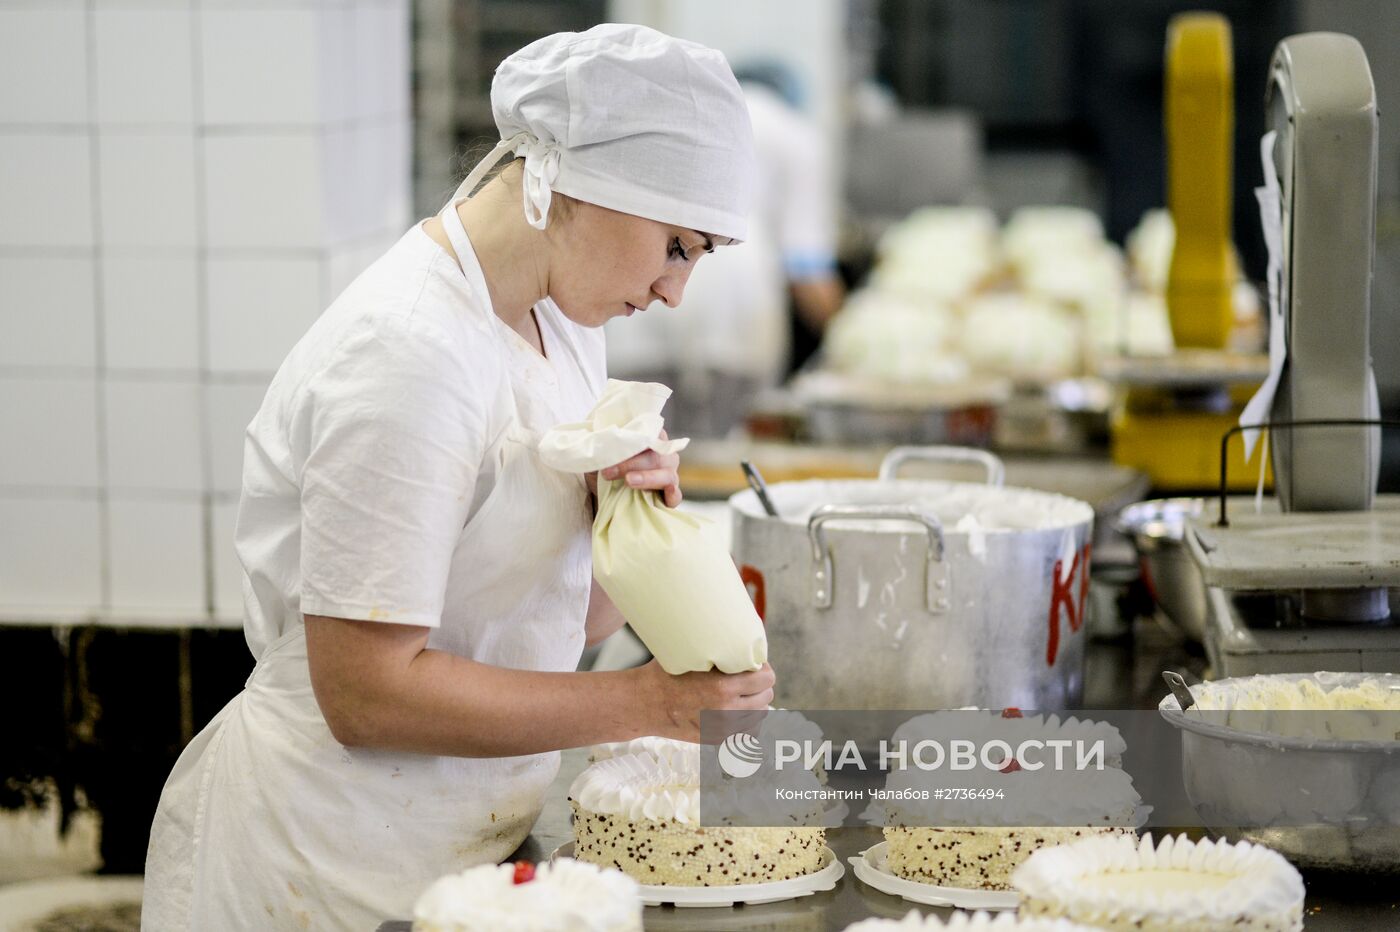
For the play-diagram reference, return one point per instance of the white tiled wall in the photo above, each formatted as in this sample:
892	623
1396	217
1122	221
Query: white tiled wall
146	188
258	308
228	408
43	50
146	292
46	186
153	438
48	423
185	187
50	312
143	62
51	556
156	558
228	575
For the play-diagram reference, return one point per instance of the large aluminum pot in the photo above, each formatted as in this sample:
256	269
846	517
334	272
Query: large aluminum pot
918	594
1320	802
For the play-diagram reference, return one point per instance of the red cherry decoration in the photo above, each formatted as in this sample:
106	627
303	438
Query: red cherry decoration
524	872
1011	712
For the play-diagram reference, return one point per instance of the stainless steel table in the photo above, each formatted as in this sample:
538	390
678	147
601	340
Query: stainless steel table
1119	676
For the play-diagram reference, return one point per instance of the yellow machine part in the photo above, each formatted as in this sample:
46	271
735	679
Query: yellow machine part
1200	123
1180	450
1179	447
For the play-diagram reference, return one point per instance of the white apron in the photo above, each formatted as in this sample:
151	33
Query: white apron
267	822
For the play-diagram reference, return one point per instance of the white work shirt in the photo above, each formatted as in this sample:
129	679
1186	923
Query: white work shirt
391	475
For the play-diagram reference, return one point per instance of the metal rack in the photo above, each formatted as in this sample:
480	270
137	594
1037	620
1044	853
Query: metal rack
457	45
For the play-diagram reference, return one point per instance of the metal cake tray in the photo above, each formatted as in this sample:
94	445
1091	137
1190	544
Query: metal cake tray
1186	368
1316	550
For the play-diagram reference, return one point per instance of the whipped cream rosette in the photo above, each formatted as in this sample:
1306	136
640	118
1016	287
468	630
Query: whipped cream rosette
967	922
775	724
562	896
643	786
1175	884
664	748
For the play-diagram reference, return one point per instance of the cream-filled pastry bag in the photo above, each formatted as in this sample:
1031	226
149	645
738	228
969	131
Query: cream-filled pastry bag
668	571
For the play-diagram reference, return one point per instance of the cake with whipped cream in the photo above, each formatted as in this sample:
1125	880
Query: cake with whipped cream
1175	885
664	748
564	895
968	922
640	813
977	843
979	858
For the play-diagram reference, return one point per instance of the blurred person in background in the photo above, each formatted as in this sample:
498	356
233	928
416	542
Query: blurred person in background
750	315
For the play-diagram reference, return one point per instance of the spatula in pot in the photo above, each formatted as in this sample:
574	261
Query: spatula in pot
760	488
1179	689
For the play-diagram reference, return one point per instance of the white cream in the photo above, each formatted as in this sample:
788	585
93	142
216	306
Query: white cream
663	748
643	786
1169	881
564	896
1269	693
944	725
1270	704
969	526
1241	885
782	723
996	510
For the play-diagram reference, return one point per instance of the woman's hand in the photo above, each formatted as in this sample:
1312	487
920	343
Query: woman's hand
651	470
677	701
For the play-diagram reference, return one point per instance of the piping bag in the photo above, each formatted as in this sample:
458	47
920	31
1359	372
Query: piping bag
667	571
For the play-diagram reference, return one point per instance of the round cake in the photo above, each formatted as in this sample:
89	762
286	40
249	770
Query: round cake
981	858
1175	886
640	813
562	896
977	843
968	922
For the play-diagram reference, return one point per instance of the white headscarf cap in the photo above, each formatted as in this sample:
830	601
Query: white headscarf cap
630	119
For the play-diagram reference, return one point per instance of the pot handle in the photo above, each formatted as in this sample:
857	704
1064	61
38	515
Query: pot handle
823	578
996	469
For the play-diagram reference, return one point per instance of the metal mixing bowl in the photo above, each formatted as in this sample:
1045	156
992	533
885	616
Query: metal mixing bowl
1157	527
1325	803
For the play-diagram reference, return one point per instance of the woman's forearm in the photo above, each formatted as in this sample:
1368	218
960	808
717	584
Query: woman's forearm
450	705
378	686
